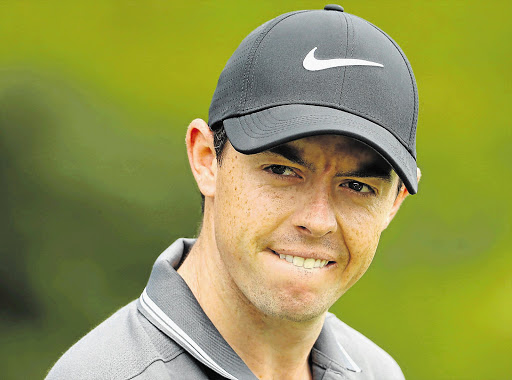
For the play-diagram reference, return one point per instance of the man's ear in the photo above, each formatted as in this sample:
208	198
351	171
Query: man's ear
398	201
201	156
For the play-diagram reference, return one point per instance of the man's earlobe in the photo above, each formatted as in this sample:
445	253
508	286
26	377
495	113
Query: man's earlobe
201	156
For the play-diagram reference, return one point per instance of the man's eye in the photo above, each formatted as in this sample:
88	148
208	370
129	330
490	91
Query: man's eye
281	170
358	186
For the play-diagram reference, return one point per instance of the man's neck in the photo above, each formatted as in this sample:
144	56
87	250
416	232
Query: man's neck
270	347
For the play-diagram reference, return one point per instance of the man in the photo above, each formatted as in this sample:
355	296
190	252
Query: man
308	155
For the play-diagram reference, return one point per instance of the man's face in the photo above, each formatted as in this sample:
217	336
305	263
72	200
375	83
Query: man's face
323	198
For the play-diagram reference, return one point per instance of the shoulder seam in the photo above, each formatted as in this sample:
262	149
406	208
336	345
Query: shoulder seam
172	355
166	360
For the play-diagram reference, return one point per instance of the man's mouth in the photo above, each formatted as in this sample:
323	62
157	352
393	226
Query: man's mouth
306	263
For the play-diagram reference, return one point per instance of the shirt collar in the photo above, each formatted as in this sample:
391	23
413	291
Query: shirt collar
170	305
328	350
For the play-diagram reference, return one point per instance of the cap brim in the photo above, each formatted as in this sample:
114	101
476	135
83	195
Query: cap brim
262	130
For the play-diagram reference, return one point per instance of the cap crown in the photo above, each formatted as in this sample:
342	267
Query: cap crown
267	70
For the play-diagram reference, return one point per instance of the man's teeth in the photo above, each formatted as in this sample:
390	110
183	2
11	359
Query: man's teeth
302	262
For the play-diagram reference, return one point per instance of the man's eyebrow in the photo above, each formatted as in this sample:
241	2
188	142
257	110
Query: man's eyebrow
291	154
373	170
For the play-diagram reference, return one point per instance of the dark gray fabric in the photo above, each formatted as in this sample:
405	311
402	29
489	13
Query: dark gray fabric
229	93
129	346
267	71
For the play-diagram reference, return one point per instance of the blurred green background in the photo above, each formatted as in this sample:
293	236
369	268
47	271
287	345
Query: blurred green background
95	98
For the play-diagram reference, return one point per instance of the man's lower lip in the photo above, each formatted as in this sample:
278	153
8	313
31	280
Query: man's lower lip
304	262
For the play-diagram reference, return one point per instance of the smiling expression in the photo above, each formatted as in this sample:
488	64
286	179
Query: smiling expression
296	226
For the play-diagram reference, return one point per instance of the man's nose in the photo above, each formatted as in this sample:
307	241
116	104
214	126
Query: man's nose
316	215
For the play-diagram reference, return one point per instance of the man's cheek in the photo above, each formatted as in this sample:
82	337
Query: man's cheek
269	203
361	234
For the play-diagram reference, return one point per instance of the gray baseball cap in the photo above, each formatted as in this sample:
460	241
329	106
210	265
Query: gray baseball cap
318	72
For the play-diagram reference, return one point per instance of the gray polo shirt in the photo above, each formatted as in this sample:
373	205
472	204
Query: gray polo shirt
166	335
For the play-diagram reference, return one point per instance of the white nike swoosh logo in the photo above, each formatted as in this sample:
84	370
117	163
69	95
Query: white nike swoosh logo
312	64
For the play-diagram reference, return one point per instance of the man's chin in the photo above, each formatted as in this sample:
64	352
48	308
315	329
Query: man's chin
302	316
293	310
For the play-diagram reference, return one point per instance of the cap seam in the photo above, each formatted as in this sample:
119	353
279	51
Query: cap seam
252	55
411	76
233	63
248	63
340	14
